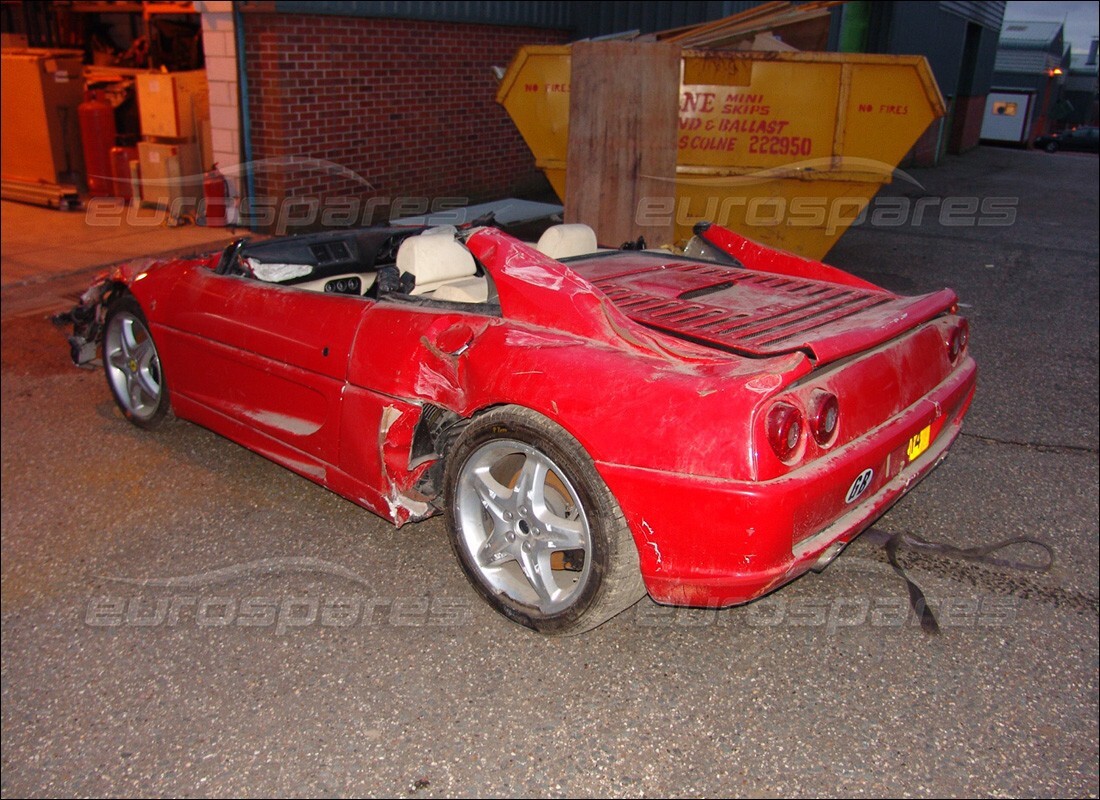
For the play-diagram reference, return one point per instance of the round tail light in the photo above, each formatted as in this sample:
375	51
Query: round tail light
784	430
825	418
960	336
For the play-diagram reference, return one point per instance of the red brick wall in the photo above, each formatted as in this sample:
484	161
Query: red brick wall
966	126
406	105
924	153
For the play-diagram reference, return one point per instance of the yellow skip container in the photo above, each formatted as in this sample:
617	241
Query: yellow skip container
785	148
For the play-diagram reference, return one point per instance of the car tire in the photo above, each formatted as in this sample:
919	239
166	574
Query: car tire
132	364
534	527
1051	147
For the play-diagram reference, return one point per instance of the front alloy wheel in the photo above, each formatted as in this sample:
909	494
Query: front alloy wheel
132	364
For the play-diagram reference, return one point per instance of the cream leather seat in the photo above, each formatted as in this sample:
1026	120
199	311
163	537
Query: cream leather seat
563	241
443	269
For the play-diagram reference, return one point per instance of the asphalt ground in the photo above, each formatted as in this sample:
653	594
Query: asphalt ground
183	617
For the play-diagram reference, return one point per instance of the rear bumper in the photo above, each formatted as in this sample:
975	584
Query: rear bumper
715	543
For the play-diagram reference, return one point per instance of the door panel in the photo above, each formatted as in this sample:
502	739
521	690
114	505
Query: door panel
270	356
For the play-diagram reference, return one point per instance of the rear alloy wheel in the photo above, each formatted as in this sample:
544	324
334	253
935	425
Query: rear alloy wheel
1052	147
132	365
535	528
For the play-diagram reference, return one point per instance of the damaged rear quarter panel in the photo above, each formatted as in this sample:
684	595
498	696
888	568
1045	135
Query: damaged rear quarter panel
625	398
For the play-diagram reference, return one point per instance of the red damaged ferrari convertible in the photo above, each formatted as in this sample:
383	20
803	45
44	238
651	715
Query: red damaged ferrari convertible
594	424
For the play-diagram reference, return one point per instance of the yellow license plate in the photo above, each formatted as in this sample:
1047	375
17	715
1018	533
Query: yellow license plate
919	443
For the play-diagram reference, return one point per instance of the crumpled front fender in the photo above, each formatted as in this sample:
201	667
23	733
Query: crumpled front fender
89	316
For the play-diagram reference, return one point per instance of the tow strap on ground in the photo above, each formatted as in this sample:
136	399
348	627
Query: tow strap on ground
982	554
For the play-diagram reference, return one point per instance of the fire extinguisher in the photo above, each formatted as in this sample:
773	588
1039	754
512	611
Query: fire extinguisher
120	158
97	137
214	192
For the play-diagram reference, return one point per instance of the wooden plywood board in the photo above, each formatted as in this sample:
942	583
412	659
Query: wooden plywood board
623	118
42	92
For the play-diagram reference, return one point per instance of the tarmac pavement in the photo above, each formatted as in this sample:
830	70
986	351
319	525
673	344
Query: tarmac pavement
182	617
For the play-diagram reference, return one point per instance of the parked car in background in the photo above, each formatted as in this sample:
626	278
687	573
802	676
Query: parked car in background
1084	139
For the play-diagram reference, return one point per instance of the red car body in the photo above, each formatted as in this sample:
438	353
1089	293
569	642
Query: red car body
669	371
